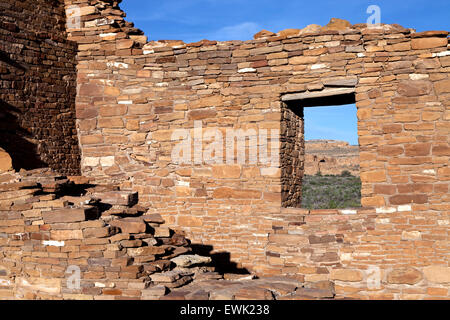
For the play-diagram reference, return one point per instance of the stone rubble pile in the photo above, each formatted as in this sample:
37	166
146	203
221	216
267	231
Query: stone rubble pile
49	223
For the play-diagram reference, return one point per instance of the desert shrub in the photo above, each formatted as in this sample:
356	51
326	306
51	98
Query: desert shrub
346	173
331	192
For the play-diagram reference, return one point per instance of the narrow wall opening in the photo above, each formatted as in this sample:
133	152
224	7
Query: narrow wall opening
319	150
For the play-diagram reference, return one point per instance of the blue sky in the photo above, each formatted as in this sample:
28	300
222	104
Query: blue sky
332	123
193	20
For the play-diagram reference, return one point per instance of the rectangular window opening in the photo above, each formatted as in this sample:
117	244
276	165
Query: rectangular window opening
320	151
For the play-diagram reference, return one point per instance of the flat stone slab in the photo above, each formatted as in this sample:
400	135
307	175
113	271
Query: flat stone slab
70	215
340	82
327	92
270	288
145	251
130	225
16	194
17	186
153	218
155	292
123	198
190	260
170	276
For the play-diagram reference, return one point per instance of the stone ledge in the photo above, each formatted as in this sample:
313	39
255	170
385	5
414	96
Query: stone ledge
317	94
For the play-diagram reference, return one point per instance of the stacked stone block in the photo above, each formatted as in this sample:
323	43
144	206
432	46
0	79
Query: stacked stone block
51	235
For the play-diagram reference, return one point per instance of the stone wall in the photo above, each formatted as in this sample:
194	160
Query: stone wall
391	253
292	155
135	99
37	86
131	100
133	95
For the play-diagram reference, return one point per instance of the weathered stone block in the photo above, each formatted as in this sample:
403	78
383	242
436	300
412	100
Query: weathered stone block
5	161
337	24
404	276
226	171
99	232
124	44
373	176
346	275
59	235
428	43
442	87
91	90
418	149
121	198
437	274
303	60
411	88
289	32
70	215
263	34
189	221
202	114
411	235
130	225
408	198
145	251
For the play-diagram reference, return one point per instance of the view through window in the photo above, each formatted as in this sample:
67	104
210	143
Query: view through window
331	177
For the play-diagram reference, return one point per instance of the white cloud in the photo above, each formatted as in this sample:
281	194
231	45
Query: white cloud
241	31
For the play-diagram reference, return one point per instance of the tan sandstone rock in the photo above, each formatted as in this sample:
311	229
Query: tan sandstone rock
411	88
346	275
289	32
5	161
405	276
190	260
312	28
263	34
337	25
428	43
437	274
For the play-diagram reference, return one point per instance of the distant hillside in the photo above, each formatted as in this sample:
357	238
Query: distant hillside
331	157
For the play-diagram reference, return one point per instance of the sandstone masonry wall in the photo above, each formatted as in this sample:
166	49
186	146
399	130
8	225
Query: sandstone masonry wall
37	86
292	155
391	253
132	96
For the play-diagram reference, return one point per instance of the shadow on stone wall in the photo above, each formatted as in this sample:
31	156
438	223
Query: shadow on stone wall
17	141
221	261
4	57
